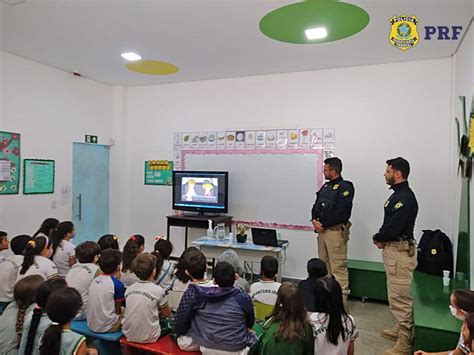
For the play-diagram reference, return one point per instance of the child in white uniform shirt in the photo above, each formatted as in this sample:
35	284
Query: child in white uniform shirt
9	270
11	321
58	338
195	268
334	330
165	278
265	291
64	255
106	295
134	246
81	274
4	251
36	259
146	303
180	279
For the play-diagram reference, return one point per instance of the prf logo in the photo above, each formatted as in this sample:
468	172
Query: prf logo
403	33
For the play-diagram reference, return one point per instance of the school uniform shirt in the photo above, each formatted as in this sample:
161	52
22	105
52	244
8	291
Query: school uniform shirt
271	345
43	324
4	254
205	283
104	291
64	252
42	266
141	321
8	335
70	342
179	285
320	322
9	269
165	279
128	278
264	291
80	277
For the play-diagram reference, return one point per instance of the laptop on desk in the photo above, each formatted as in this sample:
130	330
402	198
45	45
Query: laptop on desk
266	237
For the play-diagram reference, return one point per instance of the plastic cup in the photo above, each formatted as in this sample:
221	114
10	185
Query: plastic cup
446	281
446	273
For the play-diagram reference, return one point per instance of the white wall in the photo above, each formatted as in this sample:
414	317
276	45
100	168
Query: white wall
379	112
463	79
51	109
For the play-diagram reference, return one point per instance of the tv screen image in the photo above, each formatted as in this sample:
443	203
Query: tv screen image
200	191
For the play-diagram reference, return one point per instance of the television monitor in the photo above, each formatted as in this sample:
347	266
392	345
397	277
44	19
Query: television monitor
200	191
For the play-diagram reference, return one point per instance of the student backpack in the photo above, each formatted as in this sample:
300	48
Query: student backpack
435	253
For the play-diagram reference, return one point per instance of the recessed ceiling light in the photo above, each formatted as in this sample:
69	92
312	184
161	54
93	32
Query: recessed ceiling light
131	57
316	33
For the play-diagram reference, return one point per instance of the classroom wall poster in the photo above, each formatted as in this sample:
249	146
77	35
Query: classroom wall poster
9	163
159	172
38	176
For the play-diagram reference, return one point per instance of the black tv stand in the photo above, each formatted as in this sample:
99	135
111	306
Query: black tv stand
195	221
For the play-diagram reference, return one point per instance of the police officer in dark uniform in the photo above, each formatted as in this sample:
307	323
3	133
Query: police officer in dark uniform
396	239
330	218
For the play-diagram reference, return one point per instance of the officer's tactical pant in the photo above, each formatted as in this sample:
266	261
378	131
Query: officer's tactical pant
332	249
399	267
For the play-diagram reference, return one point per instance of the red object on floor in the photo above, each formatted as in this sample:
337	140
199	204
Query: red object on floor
164	346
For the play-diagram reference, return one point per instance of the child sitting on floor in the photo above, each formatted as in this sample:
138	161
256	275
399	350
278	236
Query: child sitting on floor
106	295
265	290
84	272
146	303
216	319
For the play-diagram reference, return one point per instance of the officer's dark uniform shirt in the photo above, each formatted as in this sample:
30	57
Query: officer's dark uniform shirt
400	214
334	202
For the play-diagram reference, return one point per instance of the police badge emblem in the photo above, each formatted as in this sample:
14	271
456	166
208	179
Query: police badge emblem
403	32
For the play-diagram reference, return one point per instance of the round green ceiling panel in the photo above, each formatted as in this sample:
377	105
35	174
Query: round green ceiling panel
330	20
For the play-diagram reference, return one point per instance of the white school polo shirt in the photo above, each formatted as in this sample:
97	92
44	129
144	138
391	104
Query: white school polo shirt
65	251
80	277
141	321
165	279
104	291
41	266
264	291
128	278
320	322
9	269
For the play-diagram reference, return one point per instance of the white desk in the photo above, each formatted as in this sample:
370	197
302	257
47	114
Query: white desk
213	248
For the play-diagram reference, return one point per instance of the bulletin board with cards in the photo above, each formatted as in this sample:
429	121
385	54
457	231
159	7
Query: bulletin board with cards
9	163
264	163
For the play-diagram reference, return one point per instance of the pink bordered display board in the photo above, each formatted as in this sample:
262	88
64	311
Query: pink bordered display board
273	174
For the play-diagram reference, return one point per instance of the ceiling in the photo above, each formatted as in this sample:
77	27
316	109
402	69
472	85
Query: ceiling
206	39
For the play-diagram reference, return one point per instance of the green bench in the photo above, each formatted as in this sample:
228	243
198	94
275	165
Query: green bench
367	280
435	329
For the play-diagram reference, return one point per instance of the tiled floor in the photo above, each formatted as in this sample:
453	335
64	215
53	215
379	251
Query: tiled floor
371	318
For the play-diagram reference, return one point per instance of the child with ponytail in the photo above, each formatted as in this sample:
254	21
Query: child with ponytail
63	250
11	322
134	246
36	259
37	322
58	338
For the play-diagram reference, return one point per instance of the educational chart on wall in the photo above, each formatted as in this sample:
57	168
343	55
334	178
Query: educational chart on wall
268	163
9	163
158	172
38	176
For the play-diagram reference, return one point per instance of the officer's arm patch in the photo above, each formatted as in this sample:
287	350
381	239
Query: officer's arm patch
398	205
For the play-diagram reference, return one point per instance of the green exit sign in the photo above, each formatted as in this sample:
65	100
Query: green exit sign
91	139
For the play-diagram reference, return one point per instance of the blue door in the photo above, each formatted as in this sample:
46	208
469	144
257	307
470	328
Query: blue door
90	191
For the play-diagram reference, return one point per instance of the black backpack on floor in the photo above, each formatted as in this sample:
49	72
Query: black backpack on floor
435	253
